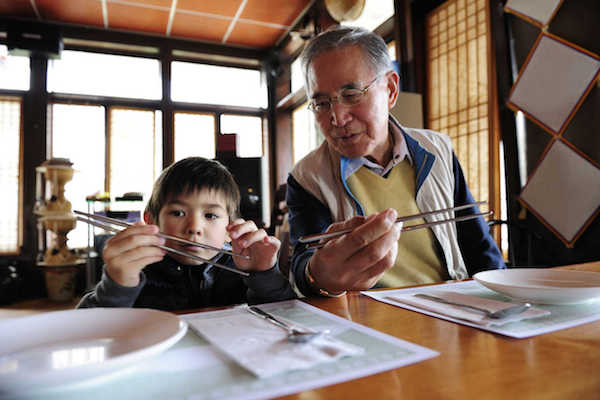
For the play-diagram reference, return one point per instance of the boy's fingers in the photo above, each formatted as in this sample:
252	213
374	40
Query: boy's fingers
272	240
239	229
248	239
132	238
135	255
131	255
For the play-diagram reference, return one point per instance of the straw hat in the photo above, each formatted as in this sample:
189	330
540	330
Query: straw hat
345	10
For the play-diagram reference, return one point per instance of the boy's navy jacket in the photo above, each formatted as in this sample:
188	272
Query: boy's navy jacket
168	285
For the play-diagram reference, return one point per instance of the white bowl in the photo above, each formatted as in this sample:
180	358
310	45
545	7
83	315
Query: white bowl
542	285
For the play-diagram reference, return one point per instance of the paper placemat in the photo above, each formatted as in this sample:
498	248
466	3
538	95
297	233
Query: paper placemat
464	313
195	369
261	347
560	317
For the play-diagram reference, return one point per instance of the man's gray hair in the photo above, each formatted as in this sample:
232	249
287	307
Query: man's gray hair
372	45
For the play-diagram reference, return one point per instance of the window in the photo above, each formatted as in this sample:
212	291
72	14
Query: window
297	75
103	116
249	134
10	150
392	49
459	104
210	84
135	148
78	133
194	135
85	73
134	158
305	136
14	71
374	14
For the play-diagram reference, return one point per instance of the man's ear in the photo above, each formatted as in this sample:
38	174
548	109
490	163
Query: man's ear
393	87
148	218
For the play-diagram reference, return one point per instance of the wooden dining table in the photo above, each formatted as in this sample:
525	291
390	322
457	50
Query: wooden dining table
473	363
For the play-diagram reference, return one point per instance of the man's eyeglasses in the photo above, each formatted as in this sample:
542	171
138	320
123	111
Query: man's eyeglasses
323	104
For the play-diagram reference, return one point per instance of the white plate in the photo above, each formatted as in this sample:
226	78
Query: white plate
542	286
67	347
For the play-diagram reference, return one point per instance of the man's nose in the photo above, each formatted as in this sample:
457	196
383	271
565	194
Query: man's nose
340	114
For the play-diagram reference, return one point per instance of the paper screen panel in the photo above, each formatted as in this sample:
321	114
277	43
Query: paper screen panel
457	58
538	12
564	191
553	81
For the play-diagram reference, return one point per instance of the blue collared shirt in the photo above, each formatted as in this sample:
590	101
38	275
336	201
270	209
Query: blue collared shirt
399	153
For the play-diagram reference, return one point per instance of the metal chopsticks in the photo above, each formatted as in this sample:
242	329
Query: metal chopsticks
163	235
329	235
104	223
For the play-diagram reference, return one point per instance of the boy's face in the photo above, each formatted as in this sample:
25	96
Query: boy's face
199	216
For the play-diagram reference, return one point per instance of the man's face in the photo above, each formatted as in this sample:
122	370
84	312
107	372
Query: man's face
359	130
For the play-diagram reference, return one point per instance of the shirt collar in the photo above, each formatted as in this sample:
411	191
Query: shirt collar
399	153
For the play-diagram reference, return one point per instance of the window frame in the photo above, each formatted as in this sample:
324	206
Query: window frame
35	135
10	95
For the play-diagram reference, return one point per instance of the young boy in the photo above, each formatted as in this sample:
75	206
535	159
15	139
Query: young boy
198	200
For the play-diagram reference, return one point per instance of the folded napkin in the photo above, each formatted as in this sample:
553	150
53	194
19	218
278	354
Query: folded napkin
465	313
263	348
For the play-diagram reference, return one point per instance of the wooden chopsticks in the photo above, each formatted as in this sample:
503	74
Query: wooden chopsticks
107	223
329	235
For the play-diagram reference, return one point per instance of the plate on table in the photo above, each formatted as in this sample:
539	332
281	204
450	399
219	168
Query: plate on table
66	347
542	286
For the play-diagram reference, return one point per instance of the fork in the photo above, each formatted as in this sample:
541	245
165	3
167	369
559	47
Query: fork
503	313
294	334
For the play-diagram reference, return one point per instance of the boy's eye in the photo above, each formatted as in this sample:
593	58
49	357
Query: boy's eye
176	213
211	216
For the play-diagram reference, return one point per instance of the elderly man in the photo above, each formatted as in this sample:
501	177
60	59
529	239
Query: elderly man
369	171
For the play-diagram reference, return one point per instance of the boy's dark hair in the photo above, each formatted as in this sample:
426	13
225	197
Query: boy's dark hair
194	174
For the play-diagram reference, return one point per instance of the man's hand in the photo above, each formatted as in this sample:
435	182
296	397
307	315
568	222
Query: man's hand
357	260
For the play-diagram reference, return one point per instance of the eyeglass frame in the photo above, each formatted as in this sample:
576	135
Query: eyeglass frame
339	97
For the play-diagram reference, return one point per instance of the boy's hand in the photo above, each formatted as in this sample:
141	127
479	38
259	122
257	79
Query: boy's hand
130	250
250	241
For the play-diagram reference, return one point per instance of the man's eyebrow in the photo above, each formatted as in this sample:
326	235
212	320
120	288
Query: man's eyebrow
349	85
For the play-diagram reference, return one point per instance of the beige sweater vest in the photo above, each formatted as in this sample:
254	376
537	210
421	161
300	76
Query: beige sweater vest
417	261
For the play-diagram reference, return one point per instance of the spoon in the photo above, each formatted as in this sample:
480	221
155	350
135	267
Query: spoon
294	334
503	313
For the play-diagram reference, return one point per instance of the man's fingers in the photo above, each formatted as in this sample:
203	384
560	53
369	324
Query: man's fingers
368	233
349	224
369	277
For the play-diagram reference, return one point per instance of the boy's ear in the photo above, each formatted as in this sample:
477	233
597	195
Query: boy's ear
227	237
148	218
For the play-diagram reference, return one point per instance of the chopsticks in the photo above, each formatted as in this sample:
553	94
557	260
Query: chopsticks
329	235
105	223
